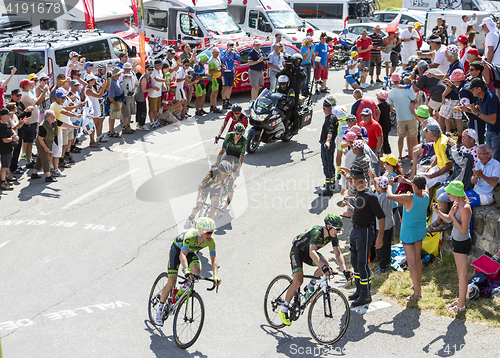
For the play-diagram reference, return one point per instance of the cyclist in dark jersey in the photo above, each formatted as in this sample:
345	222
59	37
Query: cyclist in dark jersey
305	250
235	116
183	252
214	182
234	147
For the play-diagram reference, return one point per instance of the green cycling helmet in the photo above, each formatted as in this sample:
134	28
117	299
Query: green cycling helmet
203	57
205	224
239	128
334	221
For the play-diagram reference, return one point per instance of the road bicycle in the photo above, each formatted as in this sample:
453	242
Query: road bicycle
188	309
328	315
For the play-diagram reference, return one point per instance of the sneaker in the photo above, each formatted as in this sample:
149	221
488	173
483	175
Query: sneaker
23	155
30	165
203	111
379	270
69	158
63	164
58	173
128	130
34	155
379	81
159	318
5	186
372	83
200	112
187	224
11	177
35	176
50	179
142	128
285	319
216	110
103	138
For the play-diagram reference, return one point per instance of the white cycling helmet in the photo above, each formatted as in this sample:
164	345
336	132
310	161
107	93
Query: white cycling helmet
225	166
283	79
205	224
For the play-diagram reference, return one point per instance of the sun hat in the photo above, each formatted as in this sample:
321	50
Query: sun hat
473	134
452	48
422	65
173	84
410	24
74	83
354	54
43	75
309	30
383	94
455	188
417	24
382	182
350	136
356	130
330	101
90	77
203	57
356	171
4	112
423	111
351	118
127	65
457	75
32	76
358	144
116	71
377	27
390	159
395	77
73	54
215	49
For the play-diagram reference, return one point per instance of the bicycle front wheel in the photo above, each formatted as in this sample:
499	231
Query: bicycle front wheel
154	296
188	320
328	316
274	299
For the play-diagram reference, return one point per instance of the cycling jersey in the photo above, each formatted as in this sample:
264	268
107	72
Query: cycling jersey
230	116
234	149
210	181
188	240
314	236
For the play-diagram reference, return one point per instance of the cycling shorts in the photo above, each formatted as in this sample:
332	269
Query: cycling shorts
199	89
214	84
299	257
174	261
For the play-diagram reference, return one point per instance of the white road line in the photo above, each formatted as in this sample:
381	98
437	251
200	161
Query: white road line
194	145
99	188
3	244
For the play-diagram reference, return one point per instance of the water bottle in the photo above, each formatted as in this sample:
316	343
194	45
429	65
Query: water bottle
308	292
180	292
173	299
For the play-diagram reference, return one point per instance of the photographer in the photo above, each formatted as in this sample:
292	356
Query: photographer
296	74
116	97
128	83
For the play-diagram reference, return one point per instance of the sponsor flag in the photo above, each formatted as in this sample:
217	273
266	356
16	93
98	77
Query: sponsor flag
88	6
134	9
142	40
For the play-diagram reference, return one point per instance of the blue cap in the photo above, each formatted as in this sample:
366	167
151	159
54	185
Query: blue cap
87	65
366	111
60	94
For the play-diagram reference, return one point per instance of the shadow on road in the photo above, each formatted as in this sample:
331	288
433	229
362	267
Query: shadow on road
277	153
452	342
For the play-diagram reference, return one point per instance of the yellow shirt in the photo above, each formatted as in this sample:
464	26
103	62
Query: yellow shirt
440	150
57	108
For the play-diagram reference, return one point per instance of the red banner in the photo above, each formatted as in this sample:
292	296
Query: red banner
134	9
88	6
142	35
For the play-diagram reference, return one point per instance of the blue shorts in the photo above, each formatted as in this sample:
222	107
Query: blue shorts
350	79
442	195
28	132
227	79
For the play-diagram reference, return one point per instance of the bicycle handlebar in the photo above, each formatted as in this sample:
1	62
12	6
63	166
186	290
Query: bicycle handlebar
198	277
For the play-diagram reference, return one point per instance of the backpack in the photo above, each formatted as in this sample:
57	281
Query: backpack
495	69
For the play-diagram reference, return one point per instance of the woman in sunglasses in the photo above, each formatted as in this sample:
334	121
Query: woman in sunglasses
183	252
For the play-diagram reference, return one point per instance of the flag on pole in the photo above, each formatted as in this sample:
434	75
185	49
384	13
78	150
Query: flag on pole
142	35
134	9
393	25
88	6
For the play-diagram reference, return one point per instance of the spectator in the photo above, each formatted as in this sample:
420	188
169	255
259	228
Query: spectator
279	41
74	102
396	52
154	96
375	56
385	119
486	177
256	68
347	140
420	41
439	170
145	86
460	216
170	106
375	135
438	54
47	134
355	72
93	96
413	228
167	76
199	86
466	97
191	57
307	52
440	29
453	36
321	62
228	57
102	80
434	86
43	82
89	69
471	38
123	59
22	115
424	151
466	22
214	72
409	39
74	62
328	134
462	53
7	139
128	85
364	46
486	109
362	103
117	98
486	73
402	101
3	87
60	79
275	64
491	41
388	43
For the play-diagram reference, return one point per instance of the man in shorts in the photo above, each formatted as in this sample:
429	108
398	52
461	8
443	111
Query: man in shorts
364	45
409	37
228	57
256	68
199	76
128	83
321	62
154	97
214	71
170	106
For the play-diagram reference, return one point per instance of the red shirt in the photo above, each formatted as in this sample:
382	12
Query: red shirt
374	130
366	103
363	44
242	120
420	40
167	98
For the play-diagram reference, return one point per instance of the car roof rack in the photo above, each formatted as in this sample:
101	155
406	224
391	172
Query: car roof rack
48	37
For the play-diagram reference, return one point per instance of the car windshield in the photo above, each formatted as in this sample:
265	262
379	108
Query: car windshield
285	19
488	5
219	22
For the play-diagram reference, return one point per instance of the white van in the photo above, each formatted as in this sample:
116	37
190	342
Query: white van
49	53
181	21
324	14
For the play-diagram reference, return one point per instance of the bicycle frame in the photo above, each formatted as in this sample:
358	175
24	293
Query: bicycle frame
322	284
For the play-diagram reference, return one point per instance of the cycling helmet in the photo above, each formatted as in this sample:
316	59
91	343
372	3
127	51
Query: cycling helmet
239	128
340	113
334	221
283	79
226	167
205	224
236	108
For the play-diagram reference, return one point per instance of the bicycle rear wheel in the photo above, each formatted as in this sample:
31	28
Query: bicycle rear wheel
154	296
188	320
328	316
274	298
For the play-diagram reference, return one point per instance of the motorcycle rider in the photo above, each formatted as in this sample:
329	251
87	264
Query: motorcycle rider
285	88
296	74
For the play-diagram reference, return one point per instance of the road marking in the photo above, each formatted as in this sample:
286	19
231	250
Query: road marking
195	145
99	188
371	307
3	244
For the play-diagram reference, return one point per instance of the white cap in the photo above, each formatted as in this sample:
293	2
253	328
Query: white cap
90	77
410	24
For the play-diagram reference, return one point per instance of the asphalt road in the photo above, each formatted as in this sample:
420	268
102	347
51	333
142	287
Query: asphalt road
78	257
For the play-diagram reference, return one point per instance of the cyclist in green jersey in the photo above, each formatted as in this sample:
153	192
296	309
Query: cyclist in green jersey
233	148
305	250
183	252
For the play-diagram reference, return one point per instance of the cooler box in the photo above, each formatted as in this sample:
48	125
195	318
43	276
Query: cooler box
490	268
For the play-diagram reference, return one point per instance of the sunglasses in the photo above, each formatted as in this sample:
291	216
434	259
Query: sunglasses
239	134
35	80
149	69
209	233
225	174
351	120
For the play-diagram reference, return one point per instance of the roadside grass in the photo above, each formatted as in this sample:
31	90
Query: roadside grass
384	4
439	288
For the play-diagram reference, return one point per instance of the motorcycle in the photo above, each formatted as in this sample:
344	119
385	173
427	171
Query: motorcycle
266	117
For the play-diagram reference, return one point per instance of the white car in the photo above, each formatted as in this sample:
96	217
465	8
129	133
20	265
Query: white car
408	16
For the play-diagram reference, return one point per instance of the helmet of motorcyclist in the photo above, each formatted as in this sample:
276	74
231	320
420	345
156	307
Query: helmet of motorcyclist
340	112
239	128
236	108
283	81
334	221
297	59
205	224
225	167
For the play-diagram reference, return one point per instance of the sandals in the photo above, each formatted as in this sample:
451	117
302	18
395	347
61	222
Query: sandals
456	309
113	135
413	297
432	227
94	145
443	226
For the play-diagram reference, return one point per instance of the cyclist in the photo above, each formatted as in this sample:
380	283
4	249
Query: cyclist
183	252
233	148
305	250
236	116
216	180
